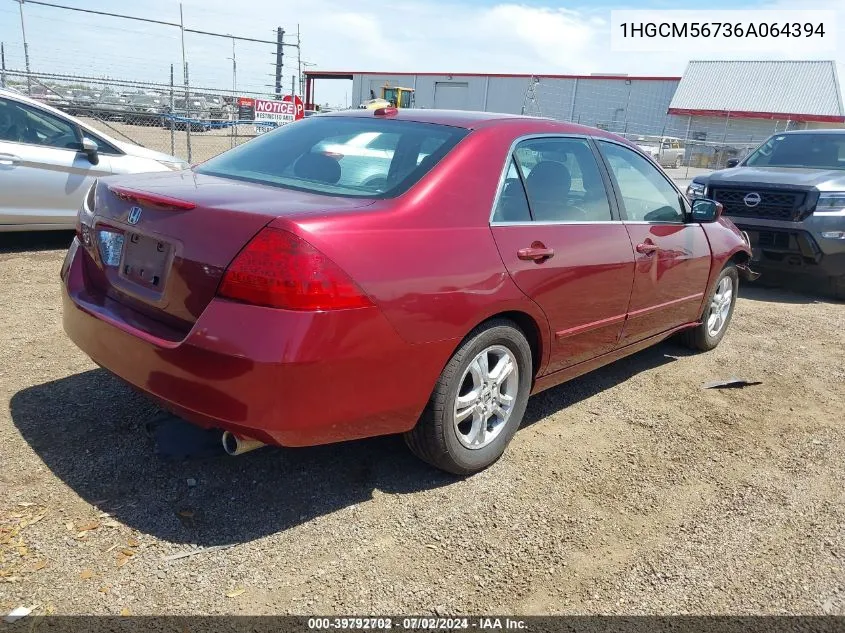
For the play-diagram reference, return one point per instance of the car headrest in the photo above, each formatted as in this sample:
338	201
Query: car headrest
318	167
548	180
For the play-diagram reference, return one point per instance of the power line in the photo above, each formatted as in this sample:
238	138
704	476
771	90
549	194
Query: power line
149	20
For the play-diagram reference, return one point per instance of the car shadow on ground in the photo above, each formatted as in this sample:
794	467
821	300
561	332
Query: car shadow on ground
88	429
35	241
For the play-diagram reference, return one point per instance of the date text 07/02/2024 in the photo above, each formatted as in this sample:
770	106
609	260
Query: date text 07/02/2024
416	624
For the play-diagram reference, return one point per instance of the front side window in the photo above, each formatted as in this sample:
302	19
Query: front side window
562	180
340	156
646	195
20	123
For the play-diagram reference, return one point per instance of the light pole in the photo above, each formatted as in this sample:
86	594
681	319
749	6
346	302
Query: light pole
234	70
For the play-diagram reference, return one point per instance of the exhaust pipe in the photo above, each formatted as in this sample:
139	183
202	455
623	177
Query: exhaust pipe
234	445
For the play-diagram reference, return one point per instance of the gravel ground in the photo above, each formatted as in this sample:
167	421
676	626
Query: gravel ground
631	490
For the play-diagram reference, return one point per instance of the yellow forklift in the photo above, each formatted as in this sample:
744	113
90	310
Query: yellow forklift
390	96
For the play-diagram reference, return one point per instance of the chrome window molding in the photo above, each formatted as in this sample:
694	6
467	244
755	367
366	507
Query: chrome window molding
504	175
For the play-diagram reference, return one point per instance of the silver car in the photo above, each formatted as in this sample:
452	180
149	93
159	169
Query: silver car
49	159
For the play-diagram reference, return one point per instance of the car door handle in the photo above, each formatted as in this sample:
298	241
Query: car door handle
9	159
536	252
646	249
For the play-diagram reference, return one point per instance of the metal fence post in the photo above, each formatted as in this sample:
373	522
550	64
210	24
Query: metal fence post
2	66
187	95
721	153
172	115
188	122
686	144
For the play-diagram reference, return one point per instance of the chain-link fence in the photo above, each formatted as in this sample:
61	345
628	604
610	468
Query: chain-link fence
193	125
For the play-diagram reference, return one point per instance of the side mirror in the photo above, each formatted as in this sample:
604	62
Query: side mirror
90	149
732	162
704	210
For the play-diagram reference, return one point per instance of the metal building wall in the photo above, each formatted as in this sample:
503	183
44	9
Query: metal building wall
617	104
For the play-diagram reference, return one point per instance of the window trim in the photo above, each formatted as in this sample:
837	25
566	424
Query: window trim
682	200
615	210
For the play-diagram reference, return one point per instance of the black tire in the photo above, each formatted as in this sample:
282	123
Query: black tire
434	439
700	337
837	287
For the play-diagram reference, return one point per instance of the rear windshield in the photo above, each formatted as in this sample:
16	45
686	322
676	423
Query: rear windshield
339	156
813	151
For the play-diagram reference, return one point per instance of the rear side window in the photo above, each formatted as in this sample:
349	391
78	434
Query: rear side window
339	156
560	178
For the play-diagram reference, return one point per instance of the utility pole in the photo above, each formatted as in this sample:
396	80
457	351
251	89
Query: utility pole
292	85
280	54
172	115
25	50
2	66
299	59
234	70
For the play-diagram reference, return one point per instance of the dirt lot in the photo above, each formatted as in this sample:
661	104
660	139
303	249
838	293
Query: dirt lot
631	490
204	145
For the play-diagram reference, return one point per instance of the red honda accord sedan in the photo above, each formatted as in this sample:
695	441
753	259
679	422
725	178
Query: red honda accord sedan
372	272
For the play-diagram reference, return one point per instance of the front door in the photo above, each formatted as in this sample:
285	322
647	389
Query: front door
564	246
43	176
672	254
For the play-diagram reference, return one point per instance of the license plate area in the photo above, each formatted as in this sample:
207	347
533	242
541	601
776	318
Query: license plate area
145	261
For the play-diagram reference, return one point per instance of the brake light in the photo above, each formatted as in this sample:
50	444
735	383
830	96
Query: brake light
280	270
85	218
125	193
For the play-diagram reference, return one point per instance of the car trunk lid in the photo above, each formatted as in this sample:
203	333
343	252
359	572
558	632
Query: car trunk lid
162	242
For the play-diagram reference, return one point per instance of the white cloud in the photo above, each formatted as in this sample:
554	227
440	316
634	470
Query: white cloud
393	35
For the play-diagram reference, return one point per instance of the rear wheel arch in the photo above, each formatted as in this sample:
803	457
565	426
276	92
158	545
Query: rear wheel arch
526	324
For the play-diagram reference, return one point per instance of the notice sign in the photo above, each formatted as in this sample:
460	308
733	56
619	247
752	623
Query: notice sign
289	109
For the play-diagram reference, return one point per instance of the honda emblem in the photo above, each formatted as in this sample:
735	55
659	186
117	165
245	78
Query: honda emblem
134	215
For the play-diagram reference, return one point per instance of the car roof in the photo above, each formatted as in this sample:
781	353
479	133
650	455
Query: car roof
456	118
470	119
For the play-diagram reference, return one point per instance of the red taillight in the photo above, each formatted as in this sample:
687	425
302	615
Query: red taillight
280	270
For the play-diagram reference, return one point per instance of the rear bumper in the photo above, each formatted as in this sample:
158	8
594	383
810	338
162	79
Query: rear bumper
284	377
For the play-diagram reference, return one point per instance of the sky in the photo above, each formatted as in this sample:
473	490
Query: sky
496	36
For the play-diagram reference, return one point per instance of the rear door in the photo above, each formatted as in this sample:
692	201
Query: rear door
43	177
672	255
563	244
